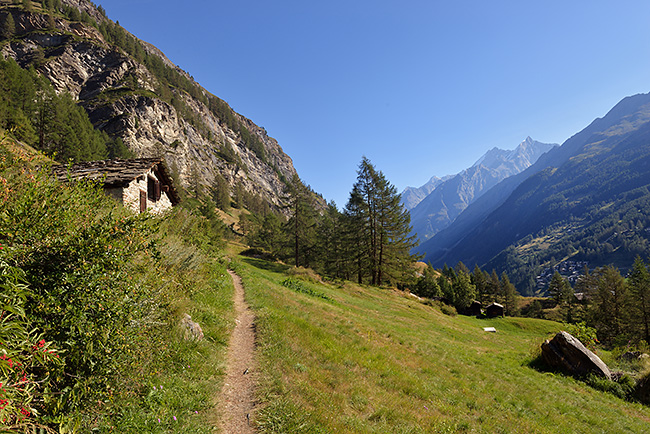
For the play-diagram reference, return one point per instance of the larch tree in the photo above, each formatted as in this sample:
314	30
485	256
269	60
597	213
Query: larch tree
9	28
607	303
559	289
427	285
639	288
221	192
464	290
331	246
301	225
384	226
494	286
480	281
509	295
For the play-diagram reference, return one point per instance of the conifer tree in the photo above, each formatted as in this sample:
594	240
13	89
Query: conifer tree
331	249
221	192
464	290
269	235
608	303
639	284
509	295
9	28
384	226
480	281
446	288
301	226
354	232
559	289
494	286
427	285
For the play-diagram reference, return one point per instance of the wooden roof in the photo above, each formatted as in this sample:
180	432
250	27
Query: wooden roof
117	173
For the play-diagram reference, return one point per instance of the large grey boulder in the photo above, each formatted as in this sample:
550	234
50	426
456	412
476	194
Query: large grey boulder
567	353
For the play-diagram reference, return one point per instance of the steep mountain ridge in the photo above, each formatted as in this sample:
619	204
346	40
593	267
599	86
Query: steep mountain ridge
516	160
587	200
132	91
449	198
411	196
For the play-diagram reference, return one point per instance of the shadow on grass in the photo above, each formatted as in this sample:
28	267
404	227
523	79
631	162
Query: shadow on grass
622	386
266	265
539	365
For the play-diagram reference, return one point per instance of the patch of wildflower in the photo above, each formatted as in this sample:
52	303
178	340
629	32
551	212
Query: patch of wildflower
26	360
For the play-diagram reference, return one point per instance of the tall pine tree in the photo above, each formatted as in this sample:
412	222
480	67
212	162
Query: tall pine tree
382	227
639	284
301	226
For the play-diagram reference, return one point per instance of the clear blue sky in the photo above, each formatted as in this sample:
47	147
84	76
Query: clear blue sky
421	88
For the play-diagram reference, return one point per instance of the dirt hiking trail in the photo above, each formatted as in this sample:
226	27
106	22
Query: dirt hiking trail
236	402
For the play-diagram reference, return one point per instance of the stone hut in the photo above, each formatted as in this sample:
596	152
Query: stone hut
494	310
139	184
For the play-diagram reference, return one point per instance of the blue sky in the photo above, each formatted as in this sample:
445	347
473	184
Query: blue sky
421	88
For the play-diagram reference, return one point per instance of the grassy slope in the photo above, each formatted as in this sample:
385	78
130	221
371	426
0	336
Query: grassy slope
373	361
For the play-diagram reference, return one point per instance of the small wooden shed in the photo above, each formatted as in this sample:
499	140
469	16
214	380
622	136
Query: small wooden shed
494	310
141	184
475	309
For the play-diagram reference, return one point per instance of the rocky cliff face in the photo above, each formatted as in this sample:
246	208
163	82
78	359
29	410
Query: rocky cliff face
126	99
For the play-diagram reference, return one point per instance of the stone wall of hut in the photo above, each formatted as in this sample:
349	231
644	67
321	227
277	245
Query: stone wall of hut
132	193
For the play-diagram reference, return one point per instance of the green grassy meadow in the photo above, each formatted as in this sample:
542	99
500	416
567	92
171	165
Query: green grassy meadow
351	359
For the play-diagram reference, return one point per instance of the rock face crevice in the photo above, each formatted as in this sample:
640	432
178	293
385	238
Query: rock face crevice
122	97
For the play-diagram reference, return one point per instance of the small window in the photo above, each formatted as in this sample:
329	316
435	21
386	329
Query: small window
153	189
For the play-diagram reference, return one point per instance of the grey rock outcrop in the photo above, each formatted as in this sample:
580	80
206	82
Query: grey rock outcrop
191	330
568	354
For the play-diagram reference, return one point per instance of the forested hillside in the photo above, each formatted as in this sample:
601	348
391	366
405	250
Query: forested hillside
587	201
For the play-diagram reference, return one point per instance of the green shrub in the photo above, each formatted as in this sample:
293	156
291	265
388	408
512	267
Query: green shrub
86	262
623	388
584	333
27	362
448	310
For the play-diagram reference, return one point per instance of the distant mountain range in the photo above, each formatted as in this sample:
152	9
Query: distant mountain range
435	205
587	200
411	196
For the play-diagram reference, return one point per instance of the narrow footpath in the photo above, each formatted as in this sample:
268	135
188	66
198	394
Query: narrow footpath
237	401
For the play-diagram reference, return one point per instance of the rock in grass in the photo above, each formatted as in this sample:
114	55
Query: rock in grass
191	330
566	353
